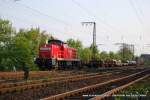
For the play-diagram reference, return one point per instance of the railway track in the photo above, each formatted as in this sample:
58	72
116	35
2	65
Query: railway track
34	91
109	93
11	84
38	74
12	87
13	77
45	89
8	76
106	88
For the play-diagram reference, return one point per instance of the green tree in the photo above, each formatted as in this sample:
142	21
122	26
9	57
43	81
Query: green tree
86	54
19	47
95	50
113	55
76	44
7	33
35	38
21	52
32	39
125	54
104	55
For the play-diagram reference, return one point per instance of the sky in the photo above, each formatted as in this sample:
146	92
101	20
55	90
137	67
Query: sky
117	21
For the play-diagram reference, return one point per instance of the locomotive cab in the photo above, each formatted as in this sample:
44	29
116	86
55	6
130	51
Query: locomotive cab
56	53
47	54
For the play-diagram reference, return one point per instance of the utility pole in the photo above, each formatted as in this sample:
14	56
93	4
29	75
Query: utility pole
124	45
94	38
129	46
133	50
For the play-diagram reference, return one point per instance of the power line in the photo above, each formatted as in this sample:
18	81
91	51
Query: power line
31	22
80	6
141	15
139	8
43	14
136	12
139	18
56	19
93	15
23	21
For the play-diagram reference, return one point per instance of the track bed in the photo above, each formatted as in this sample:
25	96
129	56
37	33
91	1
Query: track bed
62	86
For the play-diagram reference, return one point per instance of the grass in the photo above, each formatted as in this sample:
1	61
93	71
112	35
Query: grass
19	90
141	88
46	79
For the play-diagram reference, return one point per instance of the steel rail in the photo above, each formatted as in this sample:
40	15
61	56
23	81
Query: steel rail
45	84
91	87
115	90
4	85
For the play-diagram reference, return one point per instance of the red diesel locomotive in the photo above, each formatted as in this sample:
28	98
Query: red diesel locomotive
56	54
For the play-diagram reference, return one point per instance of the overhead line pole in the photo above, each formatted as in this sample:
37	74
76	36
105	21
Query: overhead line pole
94	38
123	46
133	50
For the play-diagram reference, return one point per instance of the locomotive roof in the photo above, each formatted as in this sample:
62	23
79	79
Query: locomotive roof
57	41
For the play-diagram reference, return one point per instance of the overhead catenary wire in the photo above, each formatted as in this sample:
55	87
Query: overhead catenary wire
41	13
141	15
136	12
56	19
67	25
23	21
90	13
139	8
31	22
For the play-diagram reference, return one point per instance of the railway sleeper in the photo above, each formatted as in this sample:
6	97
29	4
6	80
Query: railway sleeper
40	85
40	81
89	88
118	89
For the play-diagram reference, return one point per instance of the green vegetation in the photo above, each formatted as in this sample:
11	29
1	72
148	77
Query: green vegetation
126	54
45	79
17	47
19	90
76	44
140	88
85	53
